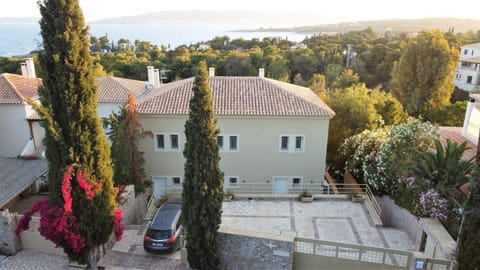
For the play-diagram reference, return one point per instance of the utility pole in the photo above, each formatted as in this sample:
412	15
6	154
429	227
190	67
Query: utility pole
349	46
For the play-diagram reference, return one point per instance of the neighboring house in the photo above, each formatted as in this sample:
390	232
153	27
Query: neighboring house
113	93
203	47
19	176
467	76
21	133
299	45
273	135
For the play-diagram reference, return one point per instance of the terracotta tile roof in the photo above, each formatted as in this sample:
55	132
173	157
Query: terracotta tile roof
116	90
14	89
454	134
249	96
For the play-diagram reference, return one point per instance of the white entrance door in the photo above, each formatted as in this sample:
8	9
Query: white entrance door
280	185
159	186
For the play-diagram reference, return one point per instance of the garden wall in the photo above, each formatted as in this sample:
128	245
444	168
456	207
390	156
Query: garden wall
9	244
253	250
133	206
397	217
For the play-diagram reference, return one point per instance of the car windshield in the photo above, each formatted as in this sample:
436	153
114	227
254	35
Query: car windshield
158	234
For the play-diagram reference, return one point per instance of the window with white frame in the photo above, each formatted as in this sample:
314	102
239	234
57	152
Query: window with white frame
233	143
232	181
465	52
167	142
220	142
174	141
284	143
176	182
299	143
228	143
292	143
296	182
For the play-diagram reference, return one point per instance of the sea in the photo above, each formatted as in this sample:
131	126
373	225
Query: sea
18	39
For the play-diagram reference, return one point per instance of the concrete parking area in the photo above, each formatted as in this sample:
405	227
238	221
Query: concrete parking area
326	219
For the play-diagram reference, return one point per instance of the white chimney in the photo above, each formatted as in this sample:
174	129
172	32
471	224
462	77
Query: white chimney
150	75
28	68
211	72
23	66
156	78
261	72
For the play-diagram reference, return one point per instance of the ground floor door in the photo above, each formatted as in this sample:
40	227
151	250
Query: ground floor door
159	186
280	185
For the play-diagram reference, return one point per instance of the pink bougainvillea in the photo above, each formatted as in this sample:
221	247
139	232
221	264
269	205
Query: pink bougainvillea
117	224
58	223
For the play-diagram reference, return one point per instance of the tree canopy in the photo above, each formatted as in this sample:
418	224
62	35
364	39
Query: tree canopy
203	186
74	136
422	78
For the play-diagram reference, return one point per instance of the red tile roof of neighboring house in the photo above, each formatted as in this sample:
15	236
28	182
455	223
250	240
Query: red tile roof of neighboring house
454	134
246	96
15	89
116	90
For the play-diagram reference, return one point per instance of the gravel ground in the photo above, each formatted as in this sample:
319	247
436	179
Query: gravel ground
34	260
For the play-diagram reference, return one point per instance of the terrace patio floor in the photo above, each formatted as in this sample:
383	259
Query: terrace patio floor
337	220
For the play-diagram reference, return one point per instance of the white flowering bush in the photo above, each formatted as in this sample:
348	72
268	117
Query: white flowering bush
361	151
400	153
431	204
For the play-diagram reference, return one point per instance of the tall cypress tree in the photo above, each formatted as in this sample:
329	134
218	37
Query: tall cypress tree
73	129
203	185
469	240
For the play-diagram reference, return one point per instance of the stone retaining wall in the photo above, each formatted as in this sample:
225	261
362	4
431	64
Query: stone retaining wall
9	244
252	250
133	206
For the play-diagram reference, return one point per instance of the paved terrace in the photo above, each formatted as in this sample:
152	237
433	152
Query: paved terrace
328	219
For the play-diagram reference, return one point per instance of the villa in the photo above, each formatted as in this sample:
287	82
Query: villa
273	135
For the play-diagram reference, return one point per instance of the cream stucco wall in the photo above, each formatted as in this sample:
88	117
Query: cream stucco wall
472	123
258	160
105	109
14	133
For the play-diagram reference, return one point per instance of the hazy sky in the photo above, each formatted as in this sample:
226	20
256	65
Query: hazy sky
346	10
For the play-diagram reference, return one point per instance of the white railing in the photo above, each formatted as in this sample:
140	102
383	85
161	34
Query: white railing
367	254
151	207
385	256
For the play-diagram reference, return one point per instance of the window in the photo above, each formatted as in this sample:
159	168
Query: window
232	182
469	79
296	182
465	52
174	141
228	143
160	142
220	142
167	142
299	143
292	143
176	182
284	143
472	52
233	143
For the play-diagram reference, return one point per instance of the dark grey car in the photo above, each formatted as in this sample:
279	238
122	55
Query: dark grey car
163	233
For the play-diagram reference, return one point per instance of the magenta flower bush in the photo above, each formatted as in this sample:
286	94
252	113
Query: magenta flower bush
431	204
